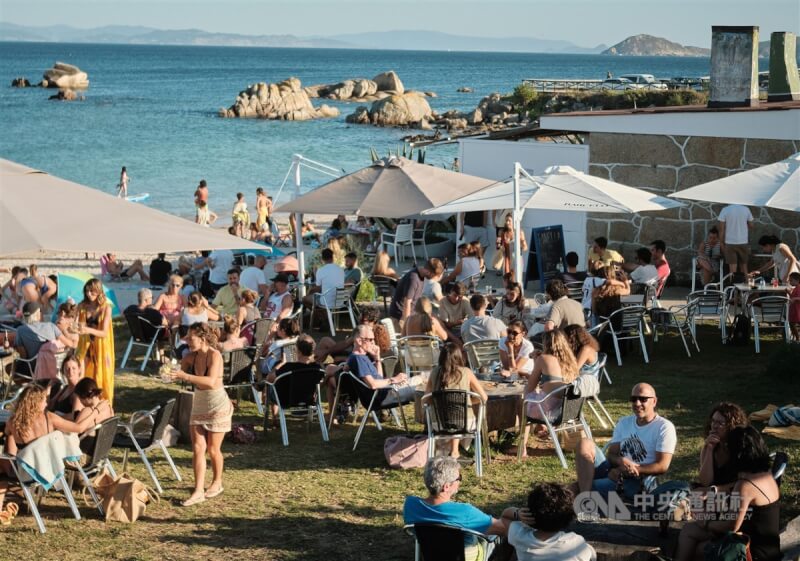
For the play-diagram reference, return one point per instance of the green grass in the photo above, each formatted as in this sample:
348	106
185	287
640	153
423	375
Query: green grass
321	501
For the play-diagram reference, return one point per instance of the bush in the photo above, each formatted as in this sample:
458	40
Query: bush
783	361
524	95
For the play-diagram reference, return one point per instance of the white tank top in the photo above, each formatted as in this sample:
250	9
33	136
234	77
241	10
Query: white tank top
274	305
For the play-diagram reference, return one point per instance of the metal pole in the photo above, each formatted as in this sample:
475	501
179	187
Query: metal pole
516	220
459	233
298	231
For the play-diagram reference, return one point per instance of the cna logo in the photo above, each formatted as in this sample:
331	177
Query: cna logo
592	506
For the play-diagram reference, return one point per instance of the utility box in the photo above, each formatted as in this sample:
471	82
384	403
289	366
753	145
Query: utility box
734	66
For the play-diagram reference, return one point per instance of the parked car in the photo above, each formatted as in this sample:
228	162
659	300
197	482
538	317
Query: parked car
688	83
646	81
618	84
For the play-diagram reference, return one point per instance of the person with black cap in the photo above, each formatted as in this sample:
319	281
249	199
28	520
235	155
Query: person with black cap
35	332
280	302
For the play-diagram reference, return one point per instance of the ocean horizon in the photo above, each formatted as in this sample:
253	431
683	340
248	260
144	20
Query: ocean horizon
154	110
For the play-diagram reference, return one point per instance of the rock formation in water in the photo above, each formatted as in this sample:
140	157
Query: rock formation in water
20	82
65	76
285	100
66	95
362	90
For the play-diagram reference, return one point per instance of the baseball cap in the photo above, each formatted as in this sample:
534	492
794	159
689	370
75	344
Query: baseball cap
281	277
30	308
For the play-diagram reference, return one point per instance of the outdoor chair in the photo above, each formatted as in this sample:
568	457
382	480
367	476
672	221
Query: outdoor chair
447	416
388	325
769	311
260	328
680	319
98	459
343	304
599	371
298	390
237	373
575	291
483	355
440	542
143	334
403	236
142	444
697	274
420	353
710	304
626	324
780	461
23	371
389	365
371	400
568	418
419	238
384	288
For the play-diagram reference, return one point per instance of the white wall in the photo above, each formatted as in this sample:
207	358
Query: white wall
494	159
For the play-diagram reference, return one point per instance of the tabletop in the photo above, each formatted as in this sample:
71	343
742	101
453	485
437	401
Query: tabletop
744	287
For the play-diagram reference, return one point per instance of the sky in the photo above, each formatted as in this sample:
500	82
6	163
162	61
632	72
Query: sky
583	22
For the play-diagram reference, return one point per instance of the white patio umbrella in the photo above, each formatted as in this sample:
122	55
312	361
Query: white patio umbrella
39	211
775	185
559	188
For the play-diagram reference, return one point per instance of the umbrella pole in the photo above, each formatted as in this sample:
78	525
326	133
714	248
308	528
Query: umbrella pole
459	234
516	219
298	236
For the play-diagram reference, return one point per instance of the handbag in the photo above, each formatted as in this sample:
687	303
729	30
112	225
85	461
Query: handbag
406	452
733	546
243	433
124	498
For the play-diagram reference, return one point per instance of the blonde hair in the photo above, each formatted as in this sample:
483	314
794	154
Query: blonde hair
381	266
249	296
555	343
96	286
28	408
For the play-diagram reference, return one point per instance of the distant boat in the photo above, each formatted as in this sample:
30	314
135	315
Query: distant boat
138	198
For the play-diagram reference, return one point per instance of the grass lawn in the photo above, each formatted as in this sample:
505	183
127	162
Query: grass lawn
321	501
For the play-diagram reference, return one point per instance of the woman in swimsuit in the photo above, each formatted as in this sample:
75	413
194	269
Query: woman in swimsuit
263	207
65	402
170	303
211	409
122	187
46	286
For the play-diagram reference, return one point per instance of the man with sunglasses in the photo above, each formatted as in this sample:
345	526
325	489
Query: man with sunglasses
641	449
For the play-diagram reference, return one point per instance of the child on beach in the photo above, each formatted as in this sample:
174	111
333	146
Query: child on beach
794	306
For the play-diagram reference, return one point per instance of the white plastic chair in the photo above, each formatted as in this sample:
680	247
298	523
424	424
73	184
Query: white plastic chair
343	304
710	304
402	236
419	238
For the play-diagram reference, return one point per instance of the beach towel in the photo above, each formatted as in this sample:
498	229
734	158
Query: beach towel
787	433
587	385
785	416
46	363
43	459
763	414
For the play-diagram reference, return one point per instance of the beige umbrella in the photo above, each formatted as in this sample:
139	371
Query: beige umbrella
39	211
391	188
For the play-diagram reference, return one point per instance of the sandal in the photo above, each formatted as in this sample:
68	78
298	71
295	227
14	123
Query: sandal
12	509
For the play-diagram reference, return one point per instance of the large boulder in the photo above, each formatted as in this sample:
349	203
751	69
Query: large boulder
286	100
389	82
343	90
65	76
400	110
359	117
363	87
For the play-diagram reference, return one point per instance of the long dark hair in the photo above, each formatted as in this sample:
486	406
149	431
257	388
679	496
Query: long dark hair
520	305
748	450
578	337
451	361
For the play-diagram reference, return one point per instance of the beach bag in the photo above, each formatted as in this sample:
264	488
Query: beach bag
406	452
733	546
243	433
124	499
785	416
740	334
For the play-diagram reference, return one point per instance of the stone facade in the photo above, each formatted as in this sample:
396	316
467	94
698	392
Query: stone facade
666	164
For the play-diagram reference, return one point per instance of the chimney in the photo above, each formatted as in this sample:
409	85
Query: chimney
784	83
734	66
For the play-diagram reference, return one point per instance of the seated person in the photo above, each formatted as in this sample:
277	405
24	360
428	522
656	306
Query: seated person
641	449
89	395
716	466
197	310
423	322
644	273
285	334
146	311
600	256
468	266
334	231
513	305
228	296
564	311
572	274
352	272
305	359
551	510
160	270
516	350
34	332
338	351
66	315
454	308
111	266
66	403
232	338
327	279
606	299
659	249
279	302
709	256
382	267
481	326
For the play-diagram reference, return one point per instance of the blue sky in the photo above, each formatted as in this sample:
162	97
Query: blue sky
583	22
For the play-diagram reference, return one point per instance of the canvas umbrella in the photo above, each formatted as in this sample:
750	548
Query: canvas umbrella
775	185
70	286
559	188
39	211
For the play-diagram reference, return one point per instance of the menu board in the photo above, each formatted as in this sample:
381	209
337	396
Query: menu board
546	252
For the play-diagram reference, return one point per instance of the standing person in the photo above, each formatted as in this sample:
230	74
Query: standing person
253	278
408	291
600	256
122	187
263	209
96	342
205	216
794	305
504	257
160	270
212	411
735	221
240	216
219	261
201	193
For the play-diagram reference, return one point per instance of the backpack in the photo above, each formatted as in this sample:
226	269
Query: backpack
740	334
733	546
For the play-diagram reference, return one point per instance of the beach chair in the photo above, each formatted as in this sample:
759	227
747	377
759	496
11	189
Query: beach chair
143	334
298	390
342	304
447	417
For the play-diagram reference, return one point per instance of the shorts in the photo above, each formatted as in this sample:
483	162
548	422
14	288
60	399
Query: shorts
602	484
737	254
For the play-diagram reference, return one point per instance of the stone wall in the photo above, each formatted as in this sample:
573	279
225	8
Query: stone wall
666	164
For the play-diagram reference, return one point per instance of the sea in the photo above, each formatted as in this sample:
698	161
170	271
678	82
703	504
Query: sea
154	110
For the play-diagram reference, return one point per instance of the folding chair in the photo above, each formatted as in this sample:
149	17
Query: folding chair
483	355
420	353
237	373
128	440
680	319
342	304
440	542
447	416
403	236
569	417
98	461
767	310
298	390
627	323
384	288
710	304
371	400
140	330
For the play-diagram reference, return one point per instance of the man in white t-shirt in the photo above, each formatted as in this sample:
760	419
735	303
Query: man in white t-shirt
327	277
735	221
646	272
253	278
220	261
641	449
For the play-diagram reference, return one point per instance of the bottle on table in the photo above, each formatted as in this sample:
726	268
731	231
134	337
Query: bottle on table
6	343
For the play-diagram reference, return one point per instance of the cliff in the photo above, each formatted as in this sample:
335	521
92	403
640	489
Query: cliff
647	45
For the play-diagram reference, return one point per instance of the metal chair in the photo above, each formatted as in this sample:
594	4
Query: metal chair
710	304
679	318
569	417
599	372
371	400
420	353
696	273
141	331
575	290
298	390
342	304
128	440
440	542
769	310
483	355
98	458
261	328
403	236
447	414
628	323
384	288
419	238
388	325
237	373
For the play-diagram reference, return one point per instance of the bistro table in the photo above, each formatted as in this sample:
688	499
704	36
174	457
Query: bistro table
744	290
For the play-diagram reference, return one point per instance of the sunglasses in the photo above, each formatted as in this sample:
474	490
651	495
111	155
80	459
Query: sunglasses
460	478
368	339
514	333
641	398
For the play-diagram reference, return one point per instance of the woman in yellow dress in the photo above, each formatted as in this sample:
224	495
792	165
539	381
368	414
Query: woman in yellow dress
96	343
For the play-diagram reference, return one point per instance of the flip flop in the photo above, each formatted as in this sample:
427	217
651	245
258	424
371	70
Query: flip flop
215	493
194	501
12	509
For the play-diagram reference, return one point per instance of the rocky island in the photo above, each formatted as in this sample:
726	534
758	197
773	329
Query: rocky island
647	45
285	100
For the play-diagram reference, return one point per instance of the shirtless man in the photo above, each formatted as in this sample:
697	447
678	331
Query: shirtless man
263	208
201	193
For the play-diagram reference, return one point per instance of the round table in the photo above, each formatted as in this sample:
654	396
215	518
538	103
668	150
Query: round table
502	407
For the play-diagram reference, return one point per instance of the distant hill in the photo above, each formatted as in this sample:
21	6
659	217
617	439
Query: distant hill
647	45
763	50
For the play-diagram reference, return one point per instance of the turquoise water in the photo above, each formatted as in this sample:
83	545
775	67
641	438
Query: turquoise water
154	110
